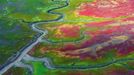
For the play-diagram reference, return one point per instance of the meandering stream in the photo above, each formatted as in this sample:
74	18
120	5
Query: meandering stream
22	53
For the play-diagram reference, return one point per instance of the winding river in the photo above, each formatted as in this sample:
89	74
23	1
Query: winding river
22	53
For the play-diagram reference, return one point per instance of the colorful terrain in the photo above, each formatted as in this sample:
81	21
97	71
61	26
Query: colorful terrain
67	37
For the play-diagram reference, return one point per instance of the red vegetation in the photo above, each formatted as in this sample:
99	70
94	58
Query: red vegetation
107	8
70	31
99	24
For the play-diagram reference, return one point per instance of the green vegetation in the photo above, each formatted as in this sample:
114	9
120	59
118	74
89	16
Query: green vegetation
40	69
14	35
30	10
